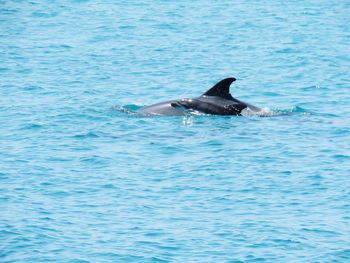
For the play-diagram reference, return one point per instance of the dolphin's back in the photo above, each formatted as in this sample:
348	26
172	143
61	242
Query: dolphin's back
162	108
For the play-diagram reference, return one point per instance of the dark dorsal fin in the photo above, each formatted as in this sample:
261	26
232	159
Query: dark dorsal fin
221	89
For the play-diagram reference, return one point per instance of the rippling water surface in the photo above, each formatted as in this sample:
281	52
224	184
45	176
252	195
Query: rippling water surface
82	182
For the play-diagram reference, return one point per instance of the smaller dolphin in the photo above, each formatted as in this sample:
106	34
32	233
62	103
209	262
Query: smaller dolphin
216	101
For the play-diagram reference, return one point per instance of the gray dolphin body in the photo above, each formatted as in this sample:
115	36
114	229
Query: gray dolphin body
217	101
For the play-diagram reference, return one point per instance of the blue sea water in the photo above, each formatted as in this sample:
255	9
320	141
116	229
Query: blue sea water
83	182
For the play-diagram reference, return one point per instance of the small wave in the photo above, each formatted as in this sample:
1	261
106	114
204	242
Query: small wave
32	126
130	109
86	135
298	109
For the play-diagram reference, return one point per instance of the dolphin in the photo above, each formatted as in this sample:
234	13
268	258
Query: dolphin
216	101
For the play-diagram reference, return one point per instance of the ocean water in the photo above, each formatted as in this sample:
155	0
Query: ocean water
83	182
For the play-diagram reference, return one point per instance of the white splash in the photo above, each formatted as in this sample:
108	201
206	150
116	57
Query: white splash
264	112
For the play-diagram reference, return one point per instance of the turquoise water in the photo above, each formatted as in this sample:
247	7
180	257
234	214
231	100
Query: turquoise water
82	182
